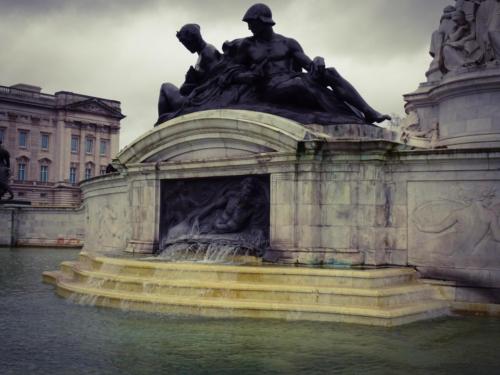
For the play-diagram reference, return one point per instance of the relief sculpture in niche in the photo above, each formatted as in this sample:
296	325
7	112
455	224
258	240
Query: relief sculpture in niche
215	218
465	231
105	230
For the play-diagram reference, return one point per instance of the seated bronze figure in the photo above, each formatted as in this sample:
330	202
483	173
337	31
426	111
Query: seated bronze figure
268	72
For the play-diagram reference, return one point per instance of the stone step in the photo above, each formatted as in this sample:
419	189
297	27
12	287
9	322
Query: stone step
225	307
250	274
387	296
384	297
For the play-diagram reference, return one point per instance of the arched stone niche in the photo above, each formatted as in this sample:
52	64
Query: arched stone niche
216	134
204	145
324	182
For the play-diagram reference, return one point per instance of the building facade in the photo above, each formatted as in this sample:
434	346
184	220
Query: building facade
56	141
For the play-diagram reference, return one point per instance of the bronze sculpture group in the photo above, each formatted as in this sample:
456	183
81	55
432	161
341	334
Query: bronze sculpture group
265	72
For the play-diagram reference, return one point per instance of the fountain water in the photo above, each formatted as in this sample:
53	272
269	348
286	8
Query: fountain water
269	197
377	297
209	252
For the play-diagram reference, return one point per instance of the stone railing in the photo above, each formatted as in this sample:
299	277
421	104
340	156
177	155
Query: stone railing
25	94
32	183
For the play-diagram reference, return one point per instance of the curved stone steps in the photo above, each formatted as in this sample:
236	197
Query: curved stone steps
251	274
250	308
387	296
378	297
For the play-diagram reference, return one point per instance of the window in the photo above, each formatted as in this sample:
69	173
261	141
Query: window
2	135
45	142
89	145
103	150
72	175
75	143
44	173
21	171
88	173
89	170
102	170
23	138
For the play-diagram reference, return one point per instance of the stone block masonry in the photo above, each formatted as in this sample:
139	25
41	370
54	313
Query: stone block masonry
45	227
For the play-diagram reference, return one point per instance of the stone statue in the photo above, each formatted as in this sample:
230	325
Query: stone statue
488	28
5	173
468	37
494	29
469	8
461	48
446	26
268	72
171	97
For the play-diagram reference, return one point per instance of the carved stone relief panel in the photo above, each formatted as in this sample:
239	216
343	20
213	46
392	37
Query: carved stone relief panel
455	225
204	213
107	223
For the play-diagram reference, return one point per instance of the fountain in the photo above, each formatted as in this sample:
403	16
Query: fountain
323	215
177	208
214	219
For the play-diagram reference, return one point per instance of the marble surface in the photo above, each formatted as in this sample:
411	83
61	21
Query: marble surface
336	202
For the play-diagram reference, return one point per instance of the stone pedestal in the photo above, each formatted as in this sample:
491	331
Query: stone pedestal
460	111
342	195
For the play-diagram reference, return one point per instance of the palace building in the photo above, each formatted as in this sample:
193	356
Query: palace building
56	141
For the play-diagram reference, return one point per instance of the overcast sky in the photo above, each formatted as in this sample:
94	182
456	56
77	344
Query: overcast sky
124	49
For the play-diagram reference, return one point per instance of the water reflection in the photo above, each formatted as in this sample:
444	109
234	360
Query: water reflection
44	334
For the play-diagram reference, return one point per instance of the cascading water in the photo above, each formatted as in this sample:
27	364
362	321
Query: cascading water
216	222
213	251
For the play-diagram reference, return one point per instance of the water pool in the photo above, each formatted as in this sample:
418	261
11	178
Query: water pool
41	333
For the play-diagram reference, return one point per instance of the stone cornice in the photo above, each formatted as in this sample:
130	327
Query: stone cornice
456	85
94	106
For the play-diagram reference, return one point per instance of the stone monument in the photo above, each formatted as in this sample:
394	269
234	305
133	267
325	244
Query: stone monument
453	227
458	105
266	72
266	152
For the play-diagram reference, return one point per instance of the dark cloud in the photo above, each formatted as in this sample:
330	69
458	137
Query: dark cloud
334	22
124	49
96	7
361	26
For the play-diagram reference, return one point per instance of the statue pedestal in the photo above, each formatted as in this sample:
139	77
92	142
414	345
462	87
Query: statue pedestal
353	132
339	195
460	111
324	186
